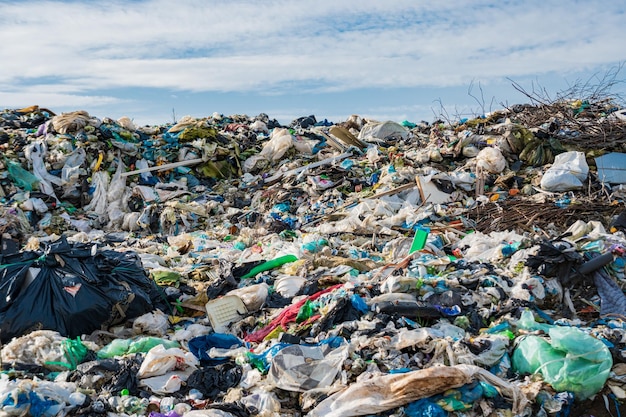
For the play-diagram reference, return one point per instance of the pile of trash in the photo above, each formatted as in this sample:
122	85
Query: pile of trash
232	266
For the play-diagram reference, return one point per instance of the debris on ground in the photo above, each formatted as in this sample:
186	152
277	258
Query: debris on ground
232	266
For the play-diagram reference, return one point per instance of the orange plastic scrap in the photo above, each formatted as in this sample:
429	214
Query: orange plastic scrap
28	109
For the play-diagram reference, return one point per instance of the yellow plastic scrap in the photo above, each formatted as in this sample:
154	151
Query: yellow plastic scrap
96	167
274	334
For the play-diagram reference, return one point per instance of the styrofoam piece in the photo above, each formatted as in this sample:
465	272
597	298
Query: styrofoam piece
224	311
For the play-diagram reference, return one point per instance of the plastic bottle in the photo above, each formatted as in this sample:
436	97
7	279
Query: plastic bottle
562	202
167	404
182	408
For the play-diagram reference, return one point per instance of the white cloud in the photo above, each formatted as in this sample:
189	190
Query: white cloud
70	49
24	99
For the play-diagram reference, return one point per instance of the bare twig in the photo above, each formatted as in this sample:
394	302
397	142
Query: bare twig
443	113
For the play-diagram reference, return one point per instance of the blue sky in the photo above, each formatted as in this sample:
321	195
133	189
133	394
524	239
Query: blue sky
392	60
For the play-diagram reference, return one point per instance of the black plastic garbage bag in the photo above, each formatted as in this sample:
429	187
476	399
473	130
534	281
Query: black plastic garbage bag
558	259
73	289
213	380
109	375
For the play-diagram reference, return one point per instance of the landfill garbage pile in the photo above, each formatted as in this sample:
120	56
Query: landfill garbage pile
232	266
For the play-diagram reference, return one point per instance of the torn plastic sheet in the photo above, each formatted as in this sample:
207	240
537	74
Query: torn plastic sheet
36	152
385	392
300	368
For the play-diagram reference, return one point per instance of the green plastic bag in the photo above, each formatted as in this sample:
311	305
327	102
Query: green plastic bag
306	311
165	277
570	360
121	347
74	351
22	178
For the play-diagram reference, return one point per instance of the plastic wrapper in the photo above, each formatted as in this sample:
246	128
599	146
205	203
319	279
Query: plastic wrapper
425	408
168	383
262	403
383	131
36	398
387	391
116	197
253	296
98	203
21	177
71	168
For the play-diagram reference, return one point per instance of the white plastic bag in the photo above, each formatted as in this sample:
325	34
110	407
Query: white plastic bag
71	168
383	131
259	126
98	203
491	160
567	173
34	204
262	403
288	286
154	323
373	155
116	197
253	296
35	153
168	383
159	361
279	143
143	164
